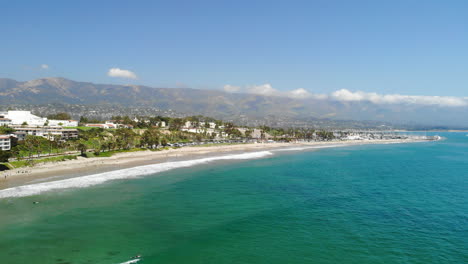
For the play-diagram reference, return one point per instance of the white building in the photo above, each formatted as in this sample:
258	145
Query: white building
354	137
187	124
210	124
113	124
45	132
20	117
5	121
107	125
161	124
63	123
5	142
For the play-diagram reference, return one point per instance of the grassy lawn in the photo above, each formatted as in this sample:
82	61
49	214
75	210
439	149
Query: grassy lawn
26	163
112	152
80	128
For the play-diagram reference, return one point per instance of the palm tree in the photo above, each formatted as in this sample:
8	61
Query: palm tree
150	138
82	147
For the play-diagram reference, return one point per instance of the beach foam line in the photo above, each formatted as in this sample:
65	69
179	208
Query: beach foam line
135	172
131	261
313	147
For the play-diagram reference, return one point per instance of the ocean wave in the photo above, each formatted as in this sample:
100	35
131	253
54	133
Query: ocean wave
95	179
131	261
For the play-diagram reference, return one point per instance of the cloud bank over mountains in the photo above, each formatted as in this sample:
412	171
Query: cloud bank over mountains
267	90
345	95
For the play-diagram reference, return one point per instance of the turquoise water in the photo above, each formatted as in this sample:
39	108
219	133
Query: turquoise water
398	203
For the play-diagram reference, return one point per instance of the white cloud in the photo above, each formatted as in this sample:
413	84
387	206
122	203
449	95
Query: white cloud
44	66
267	90
346	95
120	73
263	89
231	88
300	93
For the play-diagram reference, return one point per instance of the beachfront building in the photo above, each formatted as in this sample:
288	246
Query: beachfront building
23	117
5	142
46	132
63	123
5	121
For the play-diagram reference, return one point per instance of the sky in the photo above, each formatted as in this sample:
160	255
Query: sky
295	48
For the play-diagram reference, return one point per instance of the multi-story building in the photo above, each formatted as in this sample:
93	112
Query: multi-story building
46	132
5	121
5	142
110	124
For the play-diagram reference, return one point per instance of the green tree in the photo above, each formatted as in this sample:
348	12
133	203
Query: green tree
60	116
83	120
150	138
4	155
163	141
82	147
176	124
6	130
248	133
125	138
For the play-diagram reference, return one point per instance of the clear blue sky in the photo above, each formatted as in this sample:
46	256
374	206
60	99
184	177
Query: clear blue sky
407	47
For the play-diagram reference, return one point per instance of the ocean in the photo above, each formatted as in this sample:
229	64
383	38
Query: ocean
393	203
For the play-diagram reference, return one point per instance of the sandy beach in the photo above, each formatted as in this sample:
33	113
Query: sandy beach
88	166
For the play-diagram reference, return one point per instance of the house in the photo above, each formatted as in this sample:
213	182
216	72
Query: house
117	124
210	124
5	142
161	124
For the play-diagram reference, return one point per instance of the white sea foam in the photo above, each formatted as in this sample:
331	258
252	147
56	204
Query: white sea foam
90	180
131	261
313	147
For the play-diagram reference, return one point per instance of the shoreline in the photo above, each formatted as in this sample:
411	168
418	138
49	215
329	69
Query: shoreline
88	166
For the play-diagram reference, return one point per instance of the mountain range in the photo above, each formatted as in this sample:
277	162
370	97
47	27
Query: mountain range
224	105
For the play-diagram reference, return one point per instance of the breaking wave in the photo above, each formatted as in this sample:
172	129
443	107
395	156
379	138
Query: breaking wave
90	180
131	261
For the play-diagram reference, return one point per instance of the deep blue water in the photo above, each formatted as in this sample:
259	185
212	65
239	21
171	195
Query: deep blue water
397	203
